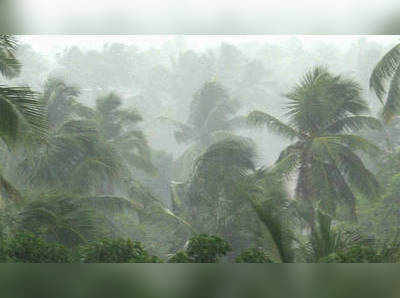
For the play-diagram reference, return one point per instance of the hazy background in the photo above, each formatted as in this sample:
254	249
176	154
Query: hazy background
199	17
158	74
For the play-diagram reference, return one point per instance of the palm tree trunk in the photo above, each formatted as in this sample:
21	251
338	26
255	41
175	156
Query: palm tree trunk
304	188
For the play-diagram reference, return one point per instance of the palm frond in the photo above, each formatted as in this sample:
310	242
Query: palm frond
286	165
358	143
225	156
322	99
61	218
384	71
327	149
392	105
22	114
258	118
272	212
9	65
354	123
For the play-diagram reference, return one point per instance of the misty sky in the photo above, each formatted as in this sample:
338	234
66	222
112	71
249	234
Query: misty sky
51	44
216	17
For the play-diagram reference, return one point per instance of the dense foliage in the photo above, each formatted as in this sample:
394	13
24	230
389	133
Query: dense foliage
116	251
202	249
28	248
254	255
83	178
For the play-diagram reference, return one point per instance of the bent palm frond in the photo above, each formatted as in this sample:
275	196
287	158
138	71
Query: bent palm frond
388	71
22	115
9	65
258	118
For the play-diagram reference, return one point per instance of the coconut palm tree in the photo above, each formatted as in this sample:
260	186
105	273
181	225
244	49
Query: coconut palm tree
385	82
76	158
119	127
323	111
60	100
211	119
219	196
23	117
21	112
89	149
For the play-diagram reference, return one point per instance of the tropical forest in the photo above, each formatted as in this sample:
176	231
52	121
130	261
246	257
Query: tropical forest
199	149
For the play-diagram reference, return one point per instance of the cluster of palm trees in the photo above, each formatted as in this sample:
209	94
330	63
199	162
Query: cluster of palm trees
326	120
79	165
68	161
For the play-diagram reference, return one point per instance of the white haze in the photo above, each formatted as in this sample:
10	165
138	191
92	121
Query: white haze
251	45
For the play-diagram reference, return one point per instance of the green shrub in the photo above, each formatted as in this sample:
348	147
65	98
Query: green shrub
116	251
29	248
180	257
207	249
253	255
355	254
202	249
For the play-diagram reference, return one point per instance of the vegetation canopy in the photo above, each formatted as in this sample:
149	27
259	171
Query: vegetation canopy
131	154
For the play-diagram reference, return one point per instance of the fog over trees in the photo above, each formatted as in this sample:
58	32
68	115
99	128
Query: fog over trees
260	148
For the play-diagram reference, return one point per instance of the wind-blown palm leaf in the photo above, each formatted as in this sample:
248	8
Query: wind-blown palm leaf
322	99
22	115
9	65
135	150
392	105
211	96
332	188
387	70
268	198
354	123
357	143
60	100
349	163
325	240
286	164
151	208
75	157
119	128
230	154
257	118
323	110
213	187
384	70
61	219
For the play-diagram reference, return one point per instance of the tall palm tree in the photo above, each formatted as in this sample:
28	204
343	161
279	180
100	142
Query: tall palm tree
23	117
76	158
211	118
323	111
60	100
219	196
385	82
89	149
119	127
21	111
